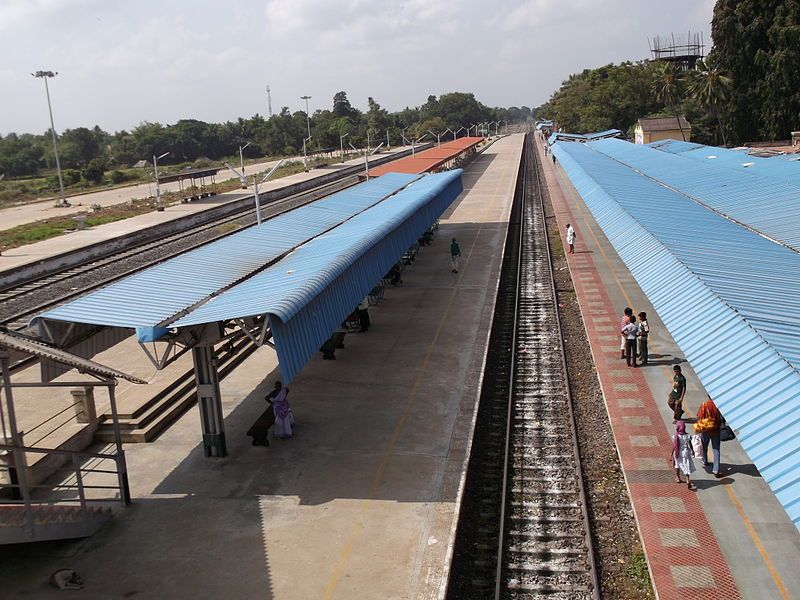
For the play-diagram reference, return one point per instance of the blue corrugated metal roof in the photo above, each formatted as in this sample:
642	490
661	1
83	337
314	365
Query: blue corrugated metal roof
730	299
309	292
600	135
325	259
159	293
674	146
755	200
784	171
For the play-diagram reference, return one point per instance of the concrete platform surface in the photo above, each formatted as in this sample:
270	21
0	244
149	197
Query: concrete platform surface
73	240
362	502
729	539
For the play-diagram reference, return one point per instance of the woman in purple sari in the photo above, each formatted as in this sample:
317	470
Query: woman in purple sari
283	412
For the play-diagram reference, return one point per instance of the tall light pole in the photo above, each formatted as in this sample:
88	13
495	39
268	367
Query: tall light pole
241	155
341	143
48	75
159	207
308	117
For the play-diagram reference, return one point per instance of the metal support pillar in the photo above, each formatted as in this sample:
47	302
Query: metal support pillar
209	400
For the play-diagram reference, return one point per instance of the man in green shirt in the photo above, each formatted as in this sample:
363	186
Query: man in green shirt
675	398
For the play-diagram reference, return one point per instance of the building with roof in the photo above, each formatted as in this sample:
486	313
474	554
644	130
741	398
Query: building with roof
653	129
715	249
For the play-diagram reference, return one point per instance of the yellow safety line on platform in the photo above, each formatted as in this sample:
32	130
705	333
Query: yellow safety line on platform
776	578
352	536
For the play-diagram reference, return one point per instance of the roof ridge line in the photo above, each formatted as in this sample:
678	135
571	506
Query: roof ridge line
696	200
186	310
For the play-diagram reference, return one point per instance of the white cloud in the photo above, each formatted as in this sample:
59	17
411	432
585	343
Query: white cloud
121	63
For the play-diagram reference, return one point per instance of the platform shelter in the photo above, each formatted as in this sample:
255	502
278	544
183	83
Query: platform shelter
287	283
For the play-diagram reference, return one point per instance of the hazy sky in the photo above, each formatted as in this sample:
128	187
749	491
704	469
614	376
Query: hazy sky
121	63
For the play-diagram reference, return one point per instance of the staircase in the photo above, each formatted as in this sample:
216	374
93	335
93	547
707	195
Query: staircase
49	522
150	419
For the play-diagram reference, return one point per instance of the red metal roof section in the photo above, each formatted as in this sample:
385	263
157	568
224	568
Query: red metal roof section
428	160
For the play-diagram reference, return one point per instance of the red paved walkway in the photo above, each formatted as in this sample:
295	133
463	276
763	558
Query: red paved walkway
683	555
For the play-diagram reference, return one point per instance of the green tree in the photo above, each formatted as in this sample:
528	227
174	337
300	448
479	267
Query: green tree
668	88
711	89
757	44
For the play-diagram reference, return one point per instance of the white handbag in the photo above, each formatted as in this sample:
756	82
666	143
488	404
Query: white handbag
697	446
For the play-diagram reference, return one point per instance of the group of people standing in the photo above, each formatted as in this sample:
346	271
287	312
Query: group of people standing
708	428
634	335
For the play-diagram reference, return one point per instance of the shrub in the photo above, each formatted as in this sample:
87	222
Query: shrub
118	176
94	170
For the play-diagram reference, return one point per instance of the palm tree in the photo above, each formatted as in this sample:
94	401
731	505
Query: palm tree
711	89
668	89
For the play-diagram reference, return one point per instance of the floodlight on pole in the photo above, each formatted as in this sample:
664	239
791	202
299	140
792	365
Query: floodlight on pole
49	75
159	206
341	144
308	117
241	156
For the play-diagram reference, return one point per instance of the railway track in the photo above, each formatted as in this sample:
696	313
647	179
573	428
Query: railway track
524	528
20	303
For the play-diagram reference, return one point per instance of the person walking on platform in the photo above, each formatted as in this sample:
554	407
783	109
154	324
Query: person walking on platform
626	318
571	238
630	332
675	398
708	424
284	418
455	253
682	454
644	332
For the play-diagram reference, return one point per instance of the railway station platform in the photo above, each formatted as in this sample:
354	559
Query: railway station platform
363	501
729	539
41	251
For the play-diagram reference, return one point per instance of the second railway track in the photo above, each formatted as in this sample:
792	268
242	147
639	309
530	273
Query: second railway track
524	528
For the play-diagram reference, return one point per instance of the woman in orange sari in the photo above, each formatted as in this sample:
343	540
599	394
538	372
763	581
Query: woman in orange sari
711	418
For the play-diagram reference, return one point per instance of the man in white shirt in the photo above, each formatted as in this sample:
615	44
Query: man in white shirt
571	238
630	331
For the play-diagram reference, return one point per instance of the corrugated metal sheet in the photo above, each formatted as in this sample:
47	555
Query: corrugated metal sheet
311	291
763	203
783	171
428	160
159	293
729	298
674	146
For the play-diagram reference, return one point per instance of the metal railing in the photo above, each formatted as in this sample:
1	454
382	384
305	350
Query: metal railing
78	485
